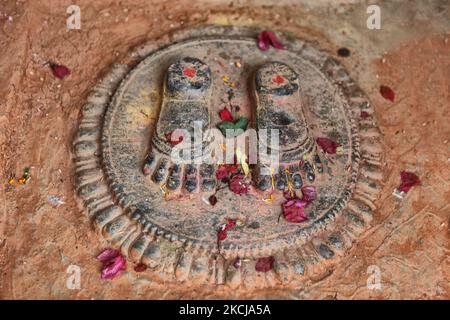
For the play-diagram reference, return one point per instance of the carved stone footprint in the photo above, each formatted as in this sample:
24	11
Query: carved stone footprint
187	92
279	107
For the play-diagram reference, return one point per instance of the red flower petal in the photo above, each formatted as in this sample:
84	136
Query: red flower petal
59	71
387	93
107	255
113	268
189	72
309	193
364	114
264	264
329	146
221	172
294	210
238	184
267	39
140	267
174	137
409	180
221	235
225	115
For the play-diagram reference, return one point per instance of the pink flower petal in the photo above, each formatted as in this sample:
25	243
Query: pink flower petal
309	193
267	39
113	268
107	255
274	41
409	180
294	210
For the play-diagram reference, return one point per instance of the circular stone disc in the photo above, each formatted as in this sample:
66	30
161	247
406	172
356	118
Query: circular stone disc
179	238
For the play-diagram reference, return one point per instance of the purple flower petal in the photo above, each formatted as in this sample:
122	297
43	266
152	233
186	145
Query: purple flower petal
114	267
108	254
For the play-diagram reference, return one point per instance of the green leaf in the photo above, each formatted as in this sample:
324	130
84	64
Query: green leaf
241	123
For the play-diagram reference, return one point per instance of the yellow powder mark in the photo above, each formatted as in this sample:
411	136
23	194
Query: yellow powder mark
269	199
143	110
221	20
225	78
242	159
12	181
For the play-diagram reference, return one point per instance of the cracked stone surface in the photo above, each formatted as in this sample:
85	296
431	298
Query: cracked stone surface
407	240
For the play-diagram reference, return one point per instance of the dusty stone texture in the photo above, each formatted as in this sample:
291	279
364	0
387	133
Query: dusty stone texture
409	239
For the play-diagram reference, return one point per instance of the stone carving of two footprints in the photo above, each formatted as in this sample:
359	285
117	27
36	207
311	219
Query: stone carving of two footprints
187	93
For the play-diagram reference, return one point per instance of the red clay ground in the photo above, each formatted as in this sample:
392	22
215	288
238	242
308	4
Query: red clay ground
409	238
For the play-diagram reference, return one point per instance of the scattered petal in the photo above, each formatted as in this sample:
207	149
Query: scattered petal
225	115
174	137
329	146
59	71
222	233
364	114
113	268
140	267
267	39
409	180
107	255
212	200
309	193
113	263
387	93
238	185
237	263
264	264
294	210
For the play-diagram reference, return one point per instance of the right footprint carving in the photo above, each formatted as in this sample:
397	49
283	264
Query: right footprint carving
186	98
278	106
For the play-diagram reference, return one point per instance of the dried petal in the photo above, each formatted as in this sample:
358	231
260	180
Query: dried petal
294	210
212	200
238	184
264	264
140	267
409	180
387	93
59	71
113	268
309	193
225	115
329	146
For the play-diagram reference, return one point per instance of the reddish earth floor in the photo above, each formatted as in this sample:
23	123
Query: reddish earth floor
408	240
